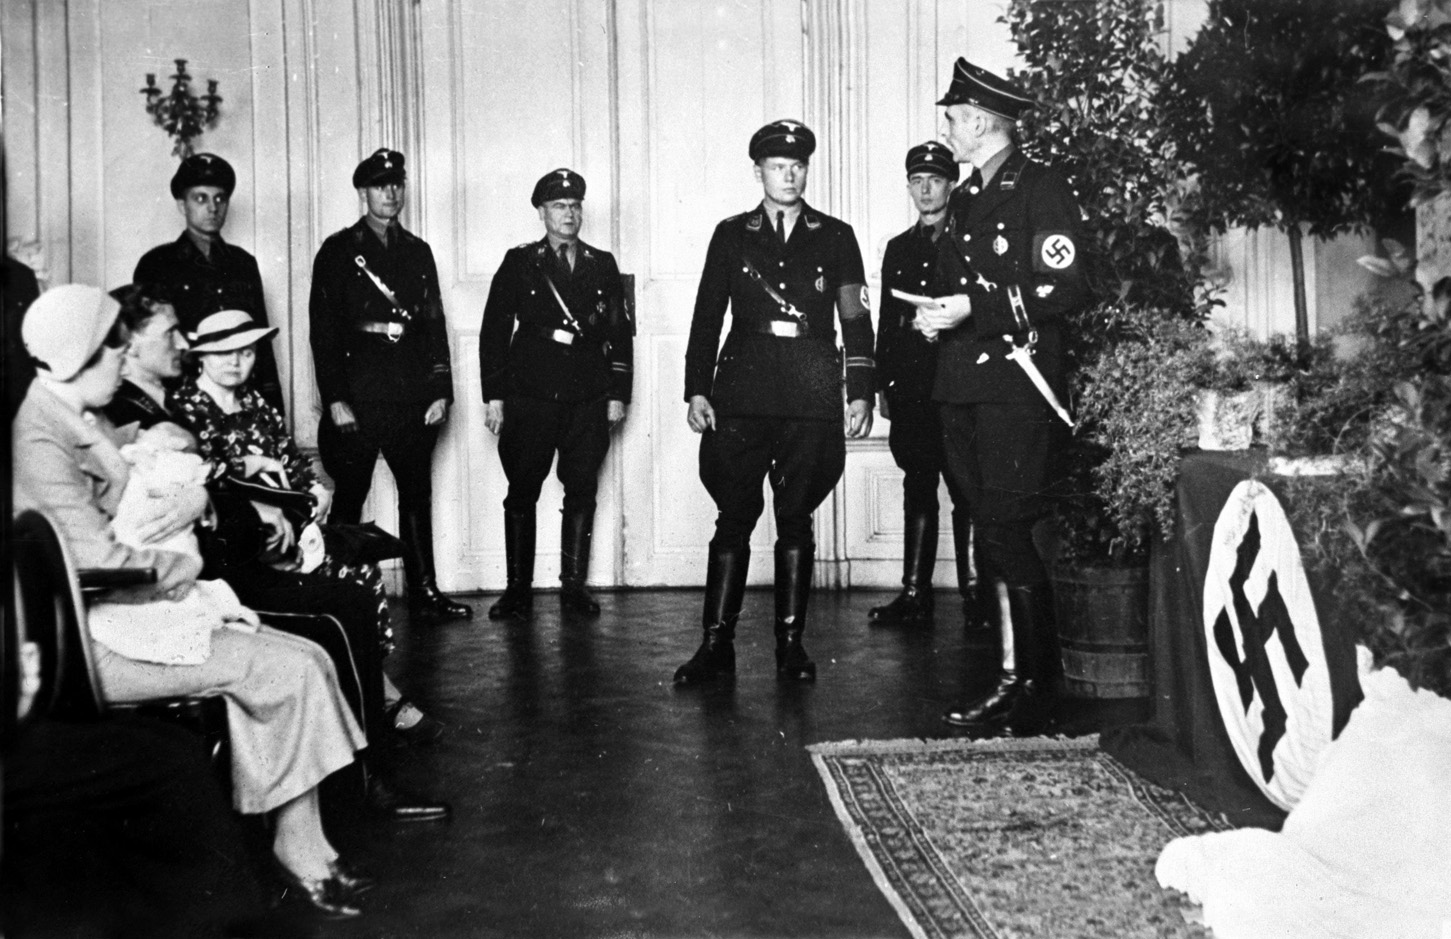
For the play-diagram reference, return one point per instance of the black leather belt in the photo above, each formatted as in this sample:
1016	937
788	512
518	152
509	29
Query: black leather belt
562	336
388	330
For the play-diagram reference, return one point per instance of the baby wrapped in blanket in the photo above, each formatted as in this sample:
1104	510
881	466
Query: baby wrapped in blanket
168	631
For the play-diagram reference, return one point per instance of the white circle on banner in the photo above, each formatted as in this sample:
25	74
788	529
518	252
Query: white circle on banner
1266	656
1058	251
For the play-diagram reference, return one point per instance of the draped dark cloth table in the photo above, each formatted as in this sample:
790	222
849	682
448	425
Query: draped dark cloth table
1266	662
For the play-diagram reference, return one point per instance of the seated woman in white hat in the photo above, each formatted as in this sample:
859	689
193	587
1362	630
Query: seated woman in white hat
242	433
288	722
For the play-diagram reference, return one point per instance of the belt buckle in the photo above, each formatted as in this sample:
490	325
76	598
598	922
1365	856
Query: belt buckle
394	333
563	336
785	329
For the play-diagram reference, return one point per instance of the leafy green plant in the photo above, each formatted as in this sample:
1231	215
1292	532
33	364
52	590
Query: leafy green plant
1096	68
1243	360
1267	108
1397	516
1141	420
1418	113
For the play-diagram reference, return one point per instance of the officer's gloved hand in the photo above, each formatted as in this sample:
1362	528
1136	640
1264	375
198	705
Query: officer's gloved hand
616	412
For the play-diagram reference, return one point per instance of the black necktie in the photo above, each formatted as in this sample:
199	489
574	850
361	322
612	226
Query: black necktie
564	258
781	226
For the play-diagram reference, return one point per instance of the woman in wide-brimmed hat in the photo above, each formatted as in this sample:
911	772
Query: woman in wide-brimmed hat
239	430
290	726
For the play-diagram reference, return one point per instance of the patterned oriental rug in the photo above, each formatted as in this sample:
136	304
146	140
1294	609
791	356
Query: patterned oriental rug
1036	838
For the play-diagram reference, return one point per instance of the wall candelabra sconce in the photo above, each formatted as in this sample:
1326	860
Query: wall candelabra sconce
181	113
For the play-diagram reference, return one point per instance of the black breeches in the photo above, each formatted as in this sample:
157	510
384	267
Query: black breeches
803	459
534	431
999	456
915	439
397	431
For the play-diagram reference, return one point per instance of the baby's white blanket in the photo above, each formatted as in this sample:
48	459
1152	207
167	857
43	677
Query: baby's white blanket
170	632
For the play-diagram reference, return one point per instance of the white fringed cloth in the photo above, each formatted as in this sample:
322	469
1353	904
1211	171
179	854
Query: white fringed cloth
1366	854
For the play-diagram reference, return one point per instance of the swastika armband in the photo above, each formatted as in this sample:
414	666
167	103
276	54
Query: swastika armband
1054	251
853	301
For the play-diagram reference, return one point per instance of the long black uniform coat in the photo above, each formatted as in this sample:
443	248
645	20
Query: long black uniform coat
353	365
597	364
906	362
762	375
200	285
1023	230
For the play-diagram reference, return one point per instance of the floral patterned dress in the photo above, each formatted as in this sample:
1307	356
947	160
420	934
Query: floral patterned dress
258	429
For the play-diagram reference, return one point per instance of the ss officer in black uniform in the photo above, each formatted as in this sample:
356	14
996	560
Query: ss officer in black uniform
907	366
380	349
769	406
1010	268
200	273
557	383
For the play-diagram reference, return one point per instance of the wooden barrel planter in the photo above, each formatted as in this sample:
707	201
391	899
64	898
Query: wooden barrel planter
1103	624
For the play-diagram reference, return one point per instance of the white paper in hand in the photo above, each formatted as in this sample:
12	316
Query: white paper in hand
914	299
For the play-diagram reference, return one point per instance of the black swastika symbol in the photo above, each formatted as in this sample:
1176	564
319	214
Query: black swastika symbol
1058	251
1252	670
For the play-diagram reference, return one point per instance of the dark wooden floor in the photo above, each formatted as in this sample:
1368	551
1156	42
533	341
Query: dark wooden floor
593	799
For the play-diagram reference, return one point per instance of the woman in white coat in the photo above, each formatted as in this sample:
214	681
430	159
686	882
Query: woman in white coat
288	722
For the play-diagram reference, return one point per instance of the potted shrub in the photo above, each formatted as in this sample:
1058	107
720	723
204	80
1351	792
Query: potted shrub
1137	412
1245	390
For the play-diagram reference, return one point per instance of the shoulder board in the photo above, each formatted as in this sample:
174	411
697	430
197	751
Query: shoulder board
523	246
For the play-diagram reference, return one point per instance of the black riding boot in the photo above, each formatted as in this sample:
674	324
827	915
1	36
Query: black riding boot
976	592
914	603
426	603
518	599
1022	700
725	588
574	541
793	591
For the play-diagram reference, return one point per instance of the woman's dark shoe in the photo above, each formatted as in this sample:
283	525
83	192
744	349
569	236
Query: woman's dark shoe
324	896
421	732
384	802
354	880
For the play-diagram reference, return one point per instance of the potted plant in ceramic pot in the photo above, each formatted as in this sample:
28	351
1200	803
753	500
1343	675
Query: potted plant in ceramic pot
1247	389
